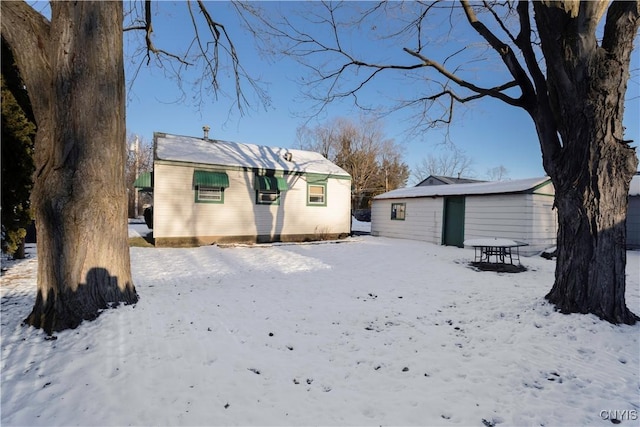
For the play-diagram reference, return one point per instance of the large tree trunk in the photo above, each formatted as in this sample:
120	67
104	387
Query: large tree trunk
592	205
73	69
592	166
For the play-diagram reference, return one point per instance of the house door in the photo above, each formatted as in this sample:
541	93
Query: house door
453	227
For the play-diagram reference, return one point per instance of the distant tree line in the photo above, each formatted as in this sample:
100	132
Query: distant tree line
361	148
454	163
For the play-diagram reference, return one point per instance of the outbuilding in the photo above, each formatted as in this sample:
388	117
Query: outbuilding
520	210
210	191
633	214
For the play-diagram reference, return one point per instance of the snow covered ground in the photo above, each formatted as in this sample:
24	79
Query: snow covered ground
367	331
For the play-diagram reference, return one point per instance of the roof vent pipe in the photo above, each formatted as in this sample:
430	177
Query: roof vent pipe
206	128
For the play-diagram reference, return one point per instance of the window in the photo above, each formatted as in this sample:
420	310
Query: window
316	194
209	194
268	189
268	197
209	186
398	211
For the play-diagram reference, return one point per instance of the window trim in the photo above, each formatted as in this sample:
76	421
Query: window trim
323	185
394	211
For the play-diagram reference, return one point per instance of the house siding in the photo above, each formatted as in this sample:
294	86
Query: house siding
508	217
633	223
423	219
178	219
523	217
544	230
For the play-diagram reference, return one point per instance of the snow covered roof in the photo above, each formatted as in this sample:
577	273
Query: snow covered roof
215	152
447	180
501	187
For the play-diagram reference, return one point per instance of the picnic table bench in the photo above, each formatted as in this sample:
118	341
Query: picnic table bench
501	250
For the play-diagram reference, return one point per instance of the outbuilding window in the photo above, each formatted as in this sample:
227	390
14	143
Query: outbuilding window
398	211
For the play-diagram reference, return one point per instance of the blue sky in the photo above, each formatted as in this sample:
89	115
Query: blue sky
489	132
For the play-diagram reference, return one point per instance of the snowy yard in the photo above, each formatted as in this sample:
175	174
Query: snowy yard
368	331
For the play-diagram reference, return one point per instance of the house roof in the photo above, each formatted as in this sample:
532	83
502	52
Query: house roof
448	180
224	153
500	187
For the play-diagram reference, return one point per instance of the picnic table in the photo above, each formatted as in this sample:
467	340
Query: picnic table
498	249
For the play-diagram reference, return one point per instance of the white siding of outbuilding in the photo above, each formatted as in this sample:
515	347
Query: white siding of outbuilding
523	217
423	219
633	223
176	215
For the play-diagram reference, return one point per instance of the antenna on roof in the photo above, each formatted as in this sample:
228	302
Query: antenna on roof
206	128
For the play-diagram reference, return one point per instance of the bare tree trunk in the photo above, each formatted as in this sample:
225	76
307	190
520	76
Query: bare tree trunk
590	270
73	69
592	167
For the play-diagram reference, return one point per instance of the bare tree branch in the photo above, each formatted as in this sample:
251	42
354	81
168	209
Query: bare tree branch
506	53
210	50
352	73
538	103
499	20
148	31
494	92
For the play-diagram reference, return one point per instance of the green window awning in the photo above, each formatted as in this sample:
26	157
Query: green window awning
210	179
313	178
266	183
144	180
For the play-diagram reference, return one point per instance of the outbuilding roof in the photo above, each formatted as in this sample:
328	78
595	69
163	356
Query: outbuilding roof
500	187
224	153
447	180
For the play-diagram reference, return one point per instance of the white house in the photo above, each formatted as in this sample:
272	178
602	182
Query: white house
209	191
450	214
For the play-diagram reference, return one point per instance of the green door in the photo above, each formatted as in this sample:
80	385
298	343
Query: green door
453	227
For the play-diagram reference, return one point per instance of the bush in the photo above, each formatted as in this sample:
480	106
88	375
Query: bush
363	215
